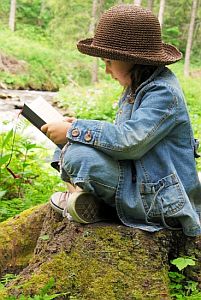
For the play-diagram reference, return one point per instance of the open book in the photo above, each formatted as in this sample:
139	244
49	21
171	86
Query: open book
40	112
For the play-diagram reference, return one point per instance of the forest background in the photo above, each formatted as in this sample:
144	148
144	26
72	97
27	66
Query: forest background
40	53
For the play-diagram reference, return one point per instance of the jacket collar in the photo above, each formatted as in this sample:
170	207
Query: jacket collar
159	70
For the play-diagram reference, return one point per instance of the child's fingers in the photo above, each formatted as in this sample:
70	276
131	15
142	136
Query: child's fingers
69	119
44	128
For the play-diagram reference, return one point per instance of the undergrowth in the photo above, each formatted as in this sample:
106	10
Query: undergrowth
181	288
26	178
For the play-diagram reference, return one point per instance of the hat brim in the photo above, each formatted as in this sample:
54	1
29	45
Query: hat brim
168	55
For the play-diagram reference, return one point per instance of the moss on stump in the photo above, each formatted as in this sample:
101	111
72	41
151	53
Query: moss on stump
89	262
18	239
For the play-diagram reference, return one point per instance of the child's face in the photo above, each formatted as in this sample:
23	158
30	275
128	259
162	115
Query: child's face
119	70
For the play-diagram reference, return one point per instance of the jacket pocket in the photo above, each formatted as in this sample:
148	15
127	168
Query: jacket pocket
164	197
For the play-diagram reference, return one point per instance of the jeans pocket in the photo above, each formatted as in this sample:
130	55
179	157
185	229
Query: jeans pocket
163	198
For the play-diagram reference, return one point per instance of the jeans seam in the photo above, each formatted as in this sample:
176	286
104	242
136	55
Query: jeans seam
81	179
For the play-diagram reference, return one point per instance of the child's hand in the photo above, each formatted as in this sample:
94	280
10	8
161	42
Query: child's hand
70	119
57	131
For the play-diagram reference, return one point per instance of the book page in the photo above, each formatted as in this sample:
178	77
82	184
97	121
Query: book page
45	110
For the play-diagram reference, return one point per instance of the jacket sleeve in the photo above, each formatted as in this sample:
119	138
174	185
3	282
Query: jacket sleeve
151	122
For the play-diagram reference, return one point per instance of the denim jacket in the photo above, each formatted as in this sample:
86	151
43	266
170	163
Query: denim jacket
153	142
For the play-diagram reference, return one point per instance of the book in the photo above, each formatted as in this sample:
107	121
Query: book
40	112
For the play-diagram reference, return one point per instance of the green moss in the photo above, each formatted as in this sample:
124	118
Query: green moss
99	261
18	238
3	294
105	262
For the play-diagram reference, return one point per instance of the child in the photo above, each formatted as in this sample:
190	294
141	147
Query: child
143	166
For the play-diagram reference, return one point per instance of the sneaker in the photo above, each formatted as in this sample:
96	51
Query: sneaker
81	206
86	208
58	202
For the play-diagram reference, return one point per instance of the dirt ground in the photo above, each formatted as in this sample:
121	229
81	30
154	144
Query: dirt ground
10	64
196	73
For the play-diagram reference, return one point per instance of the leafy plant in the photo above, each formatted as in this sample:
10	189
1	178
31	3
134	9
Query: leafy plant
181	288
183	262
23	175
44	293
7	278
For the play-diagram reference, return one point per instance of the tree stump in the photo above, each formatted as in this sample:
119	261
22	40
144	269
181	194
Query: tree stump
102	261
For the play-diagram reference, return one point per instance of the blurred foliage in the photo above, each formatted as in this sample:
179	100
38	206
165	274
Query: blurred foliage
46	68
92	102
47	32
26	178
65	22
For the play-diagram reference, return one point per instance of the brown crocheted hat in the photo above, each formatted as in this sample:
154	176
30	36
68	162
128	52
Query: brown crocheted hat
130	33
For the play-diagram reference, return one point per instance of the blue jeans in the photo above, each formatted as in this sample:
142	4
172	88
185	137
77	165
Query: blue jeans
91	170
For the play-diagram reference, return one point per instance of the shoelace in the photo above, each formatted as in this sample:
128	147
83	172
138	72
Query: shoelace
65	212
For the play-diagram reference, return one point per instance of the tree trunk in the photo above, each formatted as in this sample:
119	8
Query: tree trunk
150	4
137	2
90	262
1	63
94	70
18	239
42	10
12	15
96	11
161	12
93	17
190	38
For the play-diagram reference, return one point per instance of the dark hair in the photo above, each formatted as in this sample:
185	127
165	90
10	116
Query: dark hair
139	74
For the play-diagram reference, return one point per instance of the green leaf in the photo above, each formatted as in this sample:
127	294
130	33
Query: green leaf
2	286
44	237
4	159
7	138
176	277
2	193
182	262
31	146
47	287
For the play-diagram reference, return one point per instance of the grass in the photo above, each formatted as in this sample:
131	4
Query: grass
46	67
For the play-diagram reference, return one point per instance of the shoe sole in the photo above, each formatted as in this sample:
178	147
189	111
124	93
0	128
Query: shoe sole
84	208
55	207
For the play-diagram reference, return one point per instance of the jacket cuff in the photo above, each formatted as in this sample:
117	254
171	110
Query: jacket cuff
85	131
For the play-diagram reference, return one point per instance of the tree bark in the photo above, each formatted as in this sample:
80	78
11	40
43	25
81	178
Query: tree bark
42	10
190	39
1	63
138	2
100	261
150	4
161	12
93	17
96	11
94	70
12	15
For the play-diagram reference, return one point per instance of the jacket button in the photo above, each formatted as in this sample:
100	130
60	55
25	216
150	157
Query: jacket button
88	136
131	100
75	132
